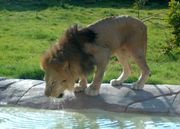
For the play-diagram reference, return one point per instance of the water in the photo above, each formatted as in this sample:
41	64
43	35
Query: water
26	118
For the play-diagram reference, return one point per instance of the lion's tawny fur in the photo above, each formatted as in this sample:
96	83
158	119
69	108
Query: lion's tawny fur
76	53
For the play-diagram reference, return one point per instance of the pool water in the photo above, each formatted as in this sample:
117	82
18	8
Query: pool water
26	118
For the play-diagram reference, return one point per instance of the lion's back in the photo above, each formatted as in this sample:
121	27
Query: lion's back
114	31
116	22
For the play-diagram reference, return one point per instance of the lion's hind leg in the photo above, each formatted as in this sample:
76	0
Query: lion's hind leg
123	58
138	50
145	72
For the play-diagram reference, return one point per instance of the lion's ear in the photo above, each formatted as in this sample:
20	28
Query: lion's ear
42	66
86	35
43	62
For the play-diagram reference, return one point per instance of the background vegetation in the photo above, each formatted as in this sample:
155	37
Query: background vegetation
30	27
173	44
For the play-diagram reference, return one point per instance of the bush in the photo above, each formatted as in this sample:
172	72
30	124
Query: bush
139	4
174	21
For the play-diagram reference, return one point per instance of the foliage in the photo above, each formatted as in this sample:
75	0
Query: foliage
138	4
173	44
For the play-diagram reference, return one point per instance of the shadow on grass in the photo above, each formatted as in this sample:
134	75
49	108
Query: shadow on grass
38	5
36	74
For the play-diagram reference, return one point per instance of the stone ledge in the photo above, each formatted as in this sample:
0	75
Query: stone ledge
152	99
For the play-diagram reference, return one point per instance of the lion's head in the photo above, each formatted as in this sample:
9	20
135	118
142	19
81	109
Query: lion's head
58	77
66	60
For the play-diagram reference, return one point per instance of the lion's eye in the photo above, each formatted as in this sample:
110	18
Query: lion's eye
52	83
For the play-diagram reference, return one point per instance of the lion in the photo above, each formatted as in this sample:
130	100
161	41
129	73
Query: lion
80	49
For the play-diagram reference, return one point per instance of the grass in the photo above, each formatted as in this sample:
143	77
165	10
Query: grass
29	27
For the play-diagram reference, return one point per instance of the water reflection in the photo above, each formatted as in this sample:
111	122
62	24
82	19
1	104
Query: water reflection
25	118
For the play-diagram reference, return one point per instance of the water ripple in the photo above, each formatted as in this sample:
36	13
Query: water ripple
25	118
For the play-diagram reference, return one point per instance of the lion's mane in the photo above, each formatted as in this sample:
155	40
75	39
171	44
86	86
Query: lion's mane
71	47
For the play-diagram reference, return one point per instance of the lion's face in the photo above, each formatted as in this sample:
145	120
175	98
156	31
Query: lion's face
58	79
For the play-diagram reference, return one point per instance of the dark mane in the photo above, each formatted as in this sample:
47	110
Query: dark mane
71	48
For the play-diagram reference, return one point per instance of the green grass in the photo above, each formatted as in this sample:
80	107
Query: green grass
29	27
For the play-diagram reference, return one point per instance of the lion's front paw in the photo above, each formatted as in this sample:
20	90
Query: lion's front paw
115	82
138	86
79	89
91	92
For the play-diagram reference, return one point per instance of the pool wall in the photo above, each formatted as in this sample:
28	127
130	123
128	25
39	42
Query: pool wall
163	99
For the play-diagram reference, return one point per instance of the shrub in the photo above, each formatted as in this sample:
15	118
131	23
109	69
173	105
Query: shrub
139	4
174	21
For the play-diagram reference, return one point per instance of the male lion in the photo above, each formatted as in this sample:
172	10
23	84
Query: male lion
76	53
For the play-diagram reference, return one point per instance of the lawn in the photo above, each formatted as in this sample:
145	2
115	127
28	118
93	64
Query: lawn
30	27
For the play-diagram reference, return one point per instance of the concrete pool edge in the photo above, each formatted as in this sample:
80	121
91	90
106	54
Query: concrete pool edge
163	99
